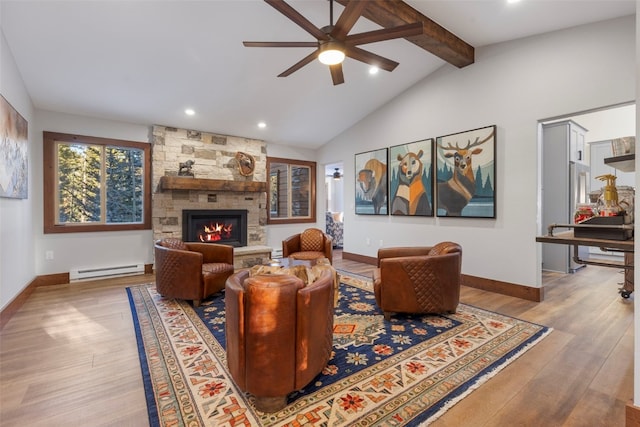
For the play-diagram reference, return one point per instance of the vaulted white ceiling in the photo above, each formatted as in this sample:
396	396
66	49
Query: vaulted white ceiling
144	62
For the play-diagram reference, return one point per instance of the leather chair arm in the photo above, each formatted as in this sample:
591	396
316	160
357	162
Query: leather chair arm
402	252
291	245
445	248
178	272
234	304
314	333
377	283
213	252
328	248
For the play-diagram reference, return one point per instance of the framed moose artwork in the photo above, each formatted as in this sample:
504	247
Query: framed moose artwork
411	178
371	195
466	174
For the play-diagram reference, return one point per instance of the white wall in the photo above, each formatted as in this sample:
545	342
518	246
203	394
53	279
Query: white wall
512	85
80	250
611	123
17	268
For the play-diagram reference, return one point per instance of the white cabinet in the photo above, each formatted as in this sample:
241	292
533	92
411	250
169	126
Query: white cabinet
565	183
577	144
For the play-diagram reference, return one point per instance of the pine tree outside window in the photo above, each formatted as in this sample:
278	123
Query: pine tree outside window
95	184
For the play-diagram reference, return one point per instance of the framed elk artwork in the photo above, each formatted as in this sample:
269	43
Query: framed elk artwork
371	183
411	178
466	174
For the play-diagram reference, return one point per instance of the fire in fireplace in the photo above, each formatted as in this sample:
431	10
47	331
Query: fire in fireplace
227	226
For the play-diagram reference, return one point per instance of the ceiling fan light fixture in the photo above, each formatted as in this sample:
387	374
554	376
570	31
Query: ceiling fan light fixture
331	54
336	174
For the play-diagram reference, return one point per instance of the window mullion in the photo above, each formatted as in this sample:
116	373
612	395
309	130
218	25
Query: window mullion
289	192
103	185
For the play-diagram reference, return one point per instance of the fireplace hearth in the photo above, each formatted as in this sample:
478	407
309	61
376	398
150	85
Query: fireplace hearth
226	226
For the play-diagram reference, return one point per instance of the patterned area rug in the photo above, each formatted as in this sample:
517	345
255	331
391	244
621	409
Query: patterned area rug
400	373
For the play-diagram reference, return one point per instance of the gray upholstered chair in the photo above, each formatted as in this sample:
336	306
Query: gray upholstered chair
335	228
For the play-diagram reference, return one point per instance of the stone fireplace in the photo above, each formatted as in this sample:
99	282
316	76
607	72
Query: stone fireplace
217	185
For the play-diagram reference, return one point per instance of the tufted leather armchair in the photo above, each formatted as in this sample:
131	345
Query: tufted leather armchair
418	279
191	271
279	333
312	243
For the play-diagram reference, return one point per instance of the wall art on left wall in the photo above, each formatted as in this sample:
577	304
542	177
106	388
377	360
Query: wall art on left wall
13	152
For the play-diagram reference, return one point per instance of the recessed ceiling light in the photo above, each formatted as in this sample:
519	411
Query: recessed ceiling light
189	112
374	70
262	125
513	1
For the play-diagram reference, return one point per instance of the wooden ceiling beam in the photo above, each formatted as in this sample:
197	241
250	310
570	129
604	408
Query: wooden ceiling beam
434	38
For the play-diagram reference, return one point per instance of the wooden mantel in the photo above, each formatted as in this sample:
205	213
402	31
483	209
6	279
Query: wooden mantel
168	183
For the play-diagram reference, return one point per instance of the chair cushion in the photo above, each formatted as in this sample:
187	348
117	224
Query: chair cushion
312	239
307	255
216	267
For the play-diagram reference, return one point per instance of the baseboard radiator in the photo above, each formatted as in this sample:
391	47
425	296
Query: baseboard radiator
98	272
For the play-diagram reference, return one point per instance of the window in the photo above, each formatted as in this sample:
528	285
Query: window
292	191
95	184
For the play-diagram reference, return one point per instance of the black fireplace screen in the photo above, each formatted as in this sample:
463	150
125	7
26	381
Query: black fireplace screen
227	226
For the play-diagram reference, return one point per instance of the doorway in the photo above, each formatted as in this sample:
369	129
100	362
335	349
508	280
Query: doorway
599	128
334	203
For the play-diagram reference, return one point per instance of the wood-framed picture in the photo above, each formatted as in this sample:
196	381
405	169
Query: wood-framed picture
371	195
411	178
14	169
466	174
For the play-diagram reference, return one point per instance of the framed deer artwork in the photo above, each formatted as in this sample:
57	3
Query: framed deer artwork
466	174
371	183
411	178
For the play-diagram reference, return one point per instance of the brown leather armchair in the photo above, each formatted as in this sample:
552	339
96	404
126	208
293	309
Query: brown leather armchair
191	271
279	333
311	244
418	279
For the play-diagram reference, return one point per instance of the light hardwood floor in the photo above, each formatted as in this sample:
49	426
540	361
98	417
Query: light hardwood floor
68	357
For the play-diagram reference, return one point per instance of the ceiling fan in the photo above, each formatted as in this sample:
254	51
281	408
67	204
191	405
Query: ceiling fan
334	42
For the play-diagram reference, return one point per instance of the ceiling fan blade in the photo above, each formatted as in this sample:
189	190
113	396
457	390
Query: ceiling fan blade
295	67
336	74
280	44
370	58
347	19
408	30
296	17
